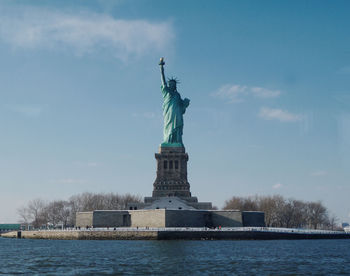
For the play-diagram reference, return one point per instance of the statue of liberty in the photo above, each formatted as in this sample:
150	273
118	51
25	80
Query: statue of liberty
173	109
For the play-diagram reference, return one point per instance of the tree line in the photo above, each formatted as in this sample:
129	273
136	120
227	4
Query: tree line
39	212
282	212
279	211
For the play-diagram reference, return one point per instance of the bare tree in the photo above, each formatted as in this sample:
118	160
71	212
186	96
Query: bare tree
271	206
281	212
333	222
36	210
89	202
23	212
239	203
317	214
234	203
58	212
299	216
111	201
128	198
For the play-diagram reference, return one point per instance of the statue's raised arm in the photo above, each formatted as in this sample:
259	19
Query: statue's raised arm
161	64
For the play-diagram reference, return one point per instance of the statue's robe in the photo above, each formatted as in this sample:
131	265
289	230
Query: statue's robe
173	109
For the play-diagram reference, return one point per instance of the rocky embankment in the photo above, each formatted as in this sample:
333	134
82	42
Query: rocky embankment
83	235
175	234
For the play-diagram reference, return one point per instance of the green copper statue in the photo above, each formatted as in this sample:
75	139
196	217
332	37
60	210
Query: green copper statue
173	109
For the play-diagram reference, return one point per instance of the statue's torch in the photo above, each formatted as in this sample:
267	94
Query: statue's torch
161	62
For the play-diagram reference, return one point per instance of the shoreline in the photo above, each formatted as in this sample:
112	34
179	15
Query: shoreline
243	233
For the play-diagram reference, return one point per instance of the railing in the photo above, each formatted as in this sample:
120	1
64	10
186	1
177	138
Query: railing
205	229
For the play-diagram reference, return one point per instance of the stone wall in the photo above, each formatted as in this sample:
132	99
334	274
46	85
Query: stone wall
169	218
186	218
147	218
201	205
171	173
85	235
227	218
84	219
171	235
113	218
253	218
191	202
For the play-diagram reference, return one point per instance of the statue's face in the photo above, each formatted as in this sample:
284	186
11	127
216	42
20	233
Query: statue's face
172	85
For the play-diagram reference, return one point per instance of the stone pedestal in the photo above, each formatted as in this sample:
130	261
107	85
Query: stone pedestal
171	189
171	173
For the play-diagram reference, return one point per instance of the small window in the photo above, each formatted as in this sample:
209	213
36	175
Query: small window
180	208
165	164
170	165
176	164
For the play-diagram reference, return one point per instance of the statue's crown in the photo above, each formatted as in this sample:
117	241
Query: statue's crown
174	80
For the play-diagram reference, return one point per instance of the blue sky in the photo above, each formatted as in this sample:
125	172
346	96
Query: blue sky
81	101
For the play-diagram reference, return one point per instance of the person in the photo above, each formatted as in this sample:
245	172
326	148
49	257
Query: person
173	109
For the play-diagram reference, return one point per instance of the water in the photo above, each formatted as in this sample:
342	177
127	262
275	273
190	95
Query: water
51	257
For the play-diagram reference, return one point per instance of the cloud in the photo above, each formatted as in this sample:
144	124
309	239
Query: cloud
318	173
235	93
147	115
265	93
26	110
92	164
277	186
83	33
278	114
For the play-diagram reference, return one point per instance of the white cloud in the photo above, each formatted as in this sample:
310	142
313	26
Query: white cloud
277	186
147	115
278	114
318	173
26	110
235	93
83	33
265	93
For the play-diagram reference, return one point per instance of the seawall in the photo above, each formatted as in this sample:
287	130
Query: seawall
174	234
83	235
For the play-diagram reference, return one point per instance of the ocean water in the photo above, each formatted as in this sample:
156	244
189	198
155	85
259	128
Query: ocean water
280	257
